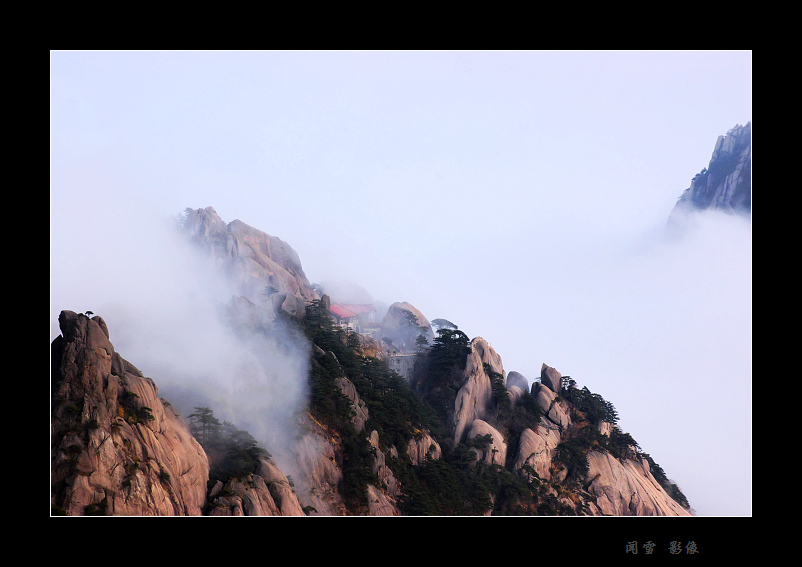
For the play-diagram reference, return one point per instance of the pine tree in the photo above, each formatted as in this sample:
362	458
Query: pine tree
204	425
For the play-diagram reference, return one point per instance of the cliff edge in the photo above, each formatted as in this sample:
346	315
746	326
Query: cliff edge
726	183
116	447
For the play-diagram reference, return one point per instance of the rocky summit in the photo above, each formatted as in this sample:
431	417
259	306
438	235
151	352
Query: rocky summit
726	183
454	434
259	265
118	449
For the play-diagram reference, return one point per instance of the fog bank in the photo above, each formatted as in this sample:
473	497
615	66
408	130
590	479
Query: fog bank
164	303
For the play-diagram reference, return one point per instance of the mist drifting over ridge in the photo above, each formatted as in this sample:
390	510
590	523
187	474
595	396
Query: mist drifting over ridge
166	305
651	323
522	196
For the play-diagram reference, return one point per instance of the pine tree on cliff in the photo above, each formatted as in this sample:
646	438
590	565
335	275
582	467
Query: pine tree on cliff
204	425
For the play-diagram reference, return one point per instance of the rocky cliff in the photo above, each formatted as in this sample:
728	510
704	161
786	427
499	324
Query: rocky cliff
402	325
118	449
609	485
726	183
474	395
457	436
263	268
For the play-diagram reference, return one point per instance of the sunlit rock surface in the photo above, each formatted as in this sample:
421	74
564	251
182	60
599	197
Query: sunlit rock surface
627	488
117	448
473	397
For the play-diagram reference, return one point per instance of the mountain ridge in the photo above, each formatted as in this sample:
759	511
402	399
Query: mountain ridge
399	419
370	442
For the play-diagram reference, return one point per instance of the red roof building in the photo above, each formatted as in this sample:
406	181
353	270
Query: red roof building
352	315
341	312
365	312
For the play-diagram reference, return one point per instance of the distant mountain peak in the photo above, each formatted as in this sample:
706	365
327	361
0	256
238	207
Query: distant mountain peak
726	183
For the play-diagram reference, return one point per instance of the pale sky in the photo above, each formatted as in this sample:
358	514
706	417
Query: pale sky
521	195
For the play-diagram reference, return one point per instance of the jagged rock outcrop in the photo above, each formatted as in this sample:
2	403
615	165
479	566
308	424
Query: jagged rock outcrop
249	496
618	486
423	447
550	378
726	183
402	324
515	393
268	492
359	409
536	448
322	474
383	499
517	379
280	488
116	447
265	269
495	453
626	487
473	397
553	407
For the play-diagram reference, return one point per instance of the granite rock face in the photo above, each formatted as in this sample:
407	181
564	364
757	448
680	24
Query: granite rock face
402	324
268	492
248	496
496	451
320	463
550	378
553	407
322	473
383	499
423	447
726	183
474	396
263	268
515	393
116	447
626	487
536	449
517	379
